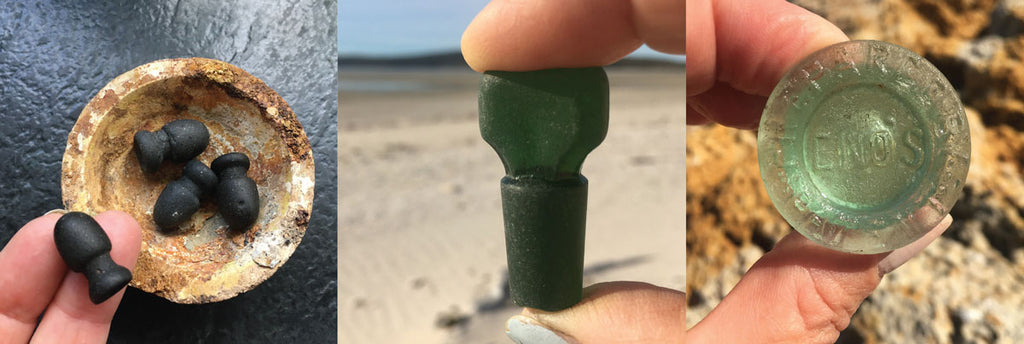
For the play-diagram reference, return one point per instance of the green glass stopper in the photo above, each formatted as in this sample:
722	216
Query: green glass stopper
543	124
864	146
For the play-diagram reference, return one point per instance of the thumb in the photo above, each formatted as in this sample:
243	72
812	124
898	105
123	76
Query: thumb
613	312
71	316
800	292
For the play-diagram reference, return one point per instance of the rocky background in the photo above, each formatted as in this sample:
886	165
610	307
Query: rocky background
968	286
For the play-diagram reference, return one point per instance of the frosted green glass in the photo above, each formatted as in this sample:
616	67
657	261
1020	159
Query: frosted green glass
864	146
543	124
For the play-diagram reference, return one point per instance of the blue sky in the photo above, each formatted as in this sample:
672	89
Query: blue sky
388	28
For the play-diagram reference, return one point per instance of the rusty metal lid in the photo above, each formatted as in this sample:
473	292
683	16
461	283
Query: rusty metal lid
204	261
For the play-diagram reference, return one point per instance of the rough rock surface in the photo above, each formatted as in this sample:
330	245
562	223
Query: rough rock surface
55	56
968	286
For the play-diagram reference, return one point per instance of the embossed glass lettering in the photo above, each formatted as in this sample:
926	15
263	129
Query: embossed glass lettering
868	148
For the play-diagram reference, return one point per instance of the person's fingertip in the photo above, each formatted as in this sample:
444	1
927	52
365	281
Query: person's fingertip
121	217
658	24
516	35
58	212
900	256
620	312
526	330
758	42
726	106
700	46
694	117
47	220
125	236
122	221
469	53
31	271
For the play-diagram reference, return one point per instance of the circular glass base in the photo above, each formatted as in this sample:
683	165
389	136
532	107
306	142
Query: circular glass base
863	146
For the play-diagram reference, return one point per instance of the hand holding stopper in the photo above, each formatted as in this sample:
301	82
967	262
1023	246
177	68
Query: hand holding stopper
237	196
85	248
180	199
177	141
543	124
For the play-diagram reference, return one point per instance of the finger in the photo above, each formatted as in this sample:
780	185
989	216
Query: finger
726	106
515	35
618	312
660	24
700	45
895	259
800	292
71	317
694	117
30	271
750	45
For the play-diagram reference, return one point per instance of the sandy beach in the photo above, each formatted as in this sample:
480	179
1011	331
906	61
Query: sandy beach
421	243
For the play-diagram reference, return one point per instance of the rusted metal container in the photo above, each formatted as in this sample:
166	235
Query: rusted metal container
203	261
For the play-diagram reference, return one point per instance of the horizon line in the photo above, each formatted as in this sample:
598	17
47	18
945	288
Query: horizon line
681	59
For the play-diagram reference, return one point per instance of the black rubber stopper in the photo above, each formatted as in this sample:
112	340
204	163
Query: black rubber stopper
178	141
180	199
545	228
238	200
85	248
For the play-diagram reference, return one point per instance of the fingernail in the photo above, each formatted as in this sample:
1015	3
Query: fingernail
901	255
525	330
56	211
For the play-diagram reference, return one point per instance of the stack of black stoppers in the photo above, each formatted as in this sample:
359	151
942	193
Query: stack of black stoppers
181	141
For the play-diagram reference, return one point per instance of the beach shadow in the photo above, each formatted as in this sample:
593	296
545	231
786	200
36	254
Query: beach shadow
505	300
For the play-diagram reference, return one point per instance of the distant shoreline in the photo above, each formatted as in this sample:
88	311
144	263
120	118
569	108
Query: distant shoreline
454	60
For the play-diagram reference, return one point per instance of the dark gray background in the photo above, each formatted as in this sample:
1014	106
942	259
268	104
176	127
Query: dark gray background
55	56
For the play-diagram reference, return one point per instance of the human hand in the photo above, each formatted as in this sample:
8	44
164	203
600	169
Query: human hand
34	279
798	292
532	35
511	35
739	50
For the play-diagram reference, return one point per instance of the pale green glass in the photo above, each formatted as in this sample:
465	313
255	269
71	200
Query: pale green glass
864	146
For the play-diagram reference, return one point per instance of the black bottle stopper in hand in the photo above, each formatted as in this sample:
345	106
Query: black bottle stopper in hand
85	248
180	199
237	197
177	141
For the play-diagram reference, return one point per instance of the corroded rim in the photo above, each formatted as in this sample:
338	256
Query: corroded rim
249	258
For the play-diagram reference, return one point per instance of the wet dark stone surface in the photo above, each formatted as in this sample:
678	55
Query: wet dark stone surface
55	56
